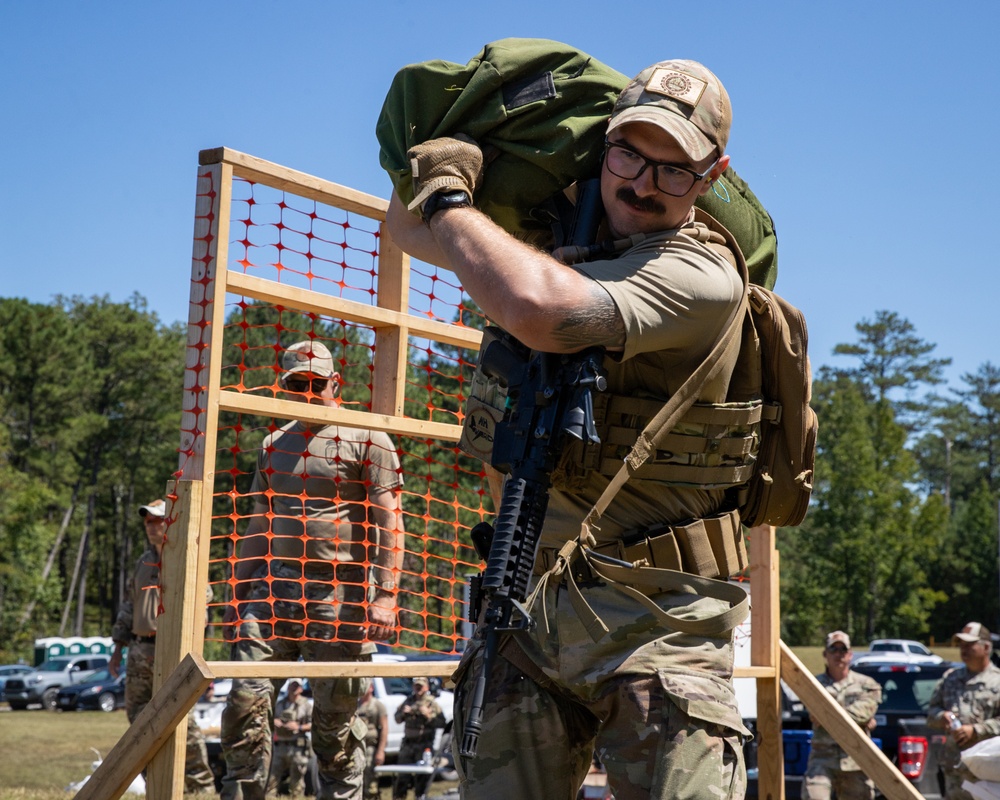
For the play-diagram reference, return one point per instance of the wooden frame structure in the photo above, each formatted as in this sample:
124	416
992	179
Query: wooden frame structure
157	737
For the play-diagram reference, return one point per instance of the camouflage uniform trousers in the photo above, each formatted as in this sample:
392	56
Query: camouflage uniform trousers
825	779
411	752
370	789
954	777
337	732
292	760
539	743
138	692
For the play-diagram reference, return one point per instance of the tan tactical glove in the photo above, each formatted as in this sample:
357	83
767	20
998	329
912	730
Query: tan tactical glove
445	164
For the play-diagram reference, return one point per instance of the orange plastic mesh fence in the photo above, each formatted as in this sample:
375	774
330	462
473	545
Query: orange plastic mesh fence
302	496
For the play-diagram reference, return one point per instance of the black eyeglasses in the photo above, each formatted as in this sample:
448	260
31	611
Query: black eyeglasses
303	385
626	162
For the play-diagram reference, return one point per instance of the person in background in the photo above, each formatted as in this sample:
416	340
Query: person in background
292	721
135	629
373	712
966	703
421	716
830	771
315	578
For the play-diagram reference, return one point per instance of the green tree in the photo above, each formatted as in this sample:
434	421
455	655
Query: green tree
893	357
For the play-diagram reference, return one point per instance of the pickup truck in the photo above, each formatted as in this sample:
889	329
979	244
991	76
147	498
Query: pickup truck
43	685
895	651
901	721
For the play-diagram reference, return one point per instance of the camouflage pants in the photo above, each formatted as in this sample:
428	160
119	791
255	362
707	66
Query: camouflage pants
138	692
824	780
411	753
290	760
337	732
953	780
370	791
537	742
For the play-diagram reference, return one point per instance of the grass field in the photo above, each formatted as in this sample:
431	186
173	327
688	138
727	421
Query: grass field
44	751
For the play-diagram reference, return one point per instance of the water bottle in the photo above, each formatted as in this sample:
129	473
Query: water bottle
954	723
426	758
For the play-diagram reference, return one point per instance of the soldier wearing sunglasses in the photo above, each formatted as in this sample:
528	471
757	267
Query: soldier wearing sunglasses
316	574
830	771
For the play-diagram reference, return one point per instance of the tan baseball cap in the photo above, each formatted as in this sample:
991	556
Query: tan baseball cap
158	508
683	98
308	356
424	681
838	636
973	632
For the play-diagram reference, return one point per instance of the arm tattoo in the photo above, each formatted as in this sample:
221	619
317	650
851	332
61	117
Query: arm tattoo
596	322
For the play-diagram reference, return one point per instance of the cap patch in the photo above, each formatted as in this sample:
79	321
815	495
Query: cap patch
676	85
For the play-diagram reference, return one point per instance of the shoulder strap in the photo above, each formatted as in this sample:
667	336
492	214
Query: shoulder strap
685	396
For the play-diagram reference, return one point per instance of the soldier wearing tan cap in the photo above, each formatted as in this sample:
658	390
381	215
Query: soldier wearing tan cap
655	702
316	577
966	703
831	772
135	630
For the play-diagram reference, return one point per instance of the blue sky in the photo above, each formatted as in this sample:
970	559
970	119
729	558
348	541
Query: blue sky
868	129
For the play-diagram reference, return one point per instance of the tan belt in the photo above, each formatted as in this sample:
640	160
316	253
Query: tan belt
712	548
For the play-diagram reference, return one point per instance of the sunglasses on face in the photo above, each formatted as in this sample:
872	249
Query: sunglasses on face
318	385
838	649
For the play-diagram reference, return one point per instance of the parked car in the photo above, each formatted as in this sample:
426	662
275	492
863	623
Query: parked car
102	692
895	651
901	721
43	684
10	671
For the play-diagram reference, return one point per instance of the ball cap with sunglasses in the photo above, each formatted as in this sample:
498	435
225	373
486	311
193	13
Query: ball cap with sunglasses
684	99
838	637
309	358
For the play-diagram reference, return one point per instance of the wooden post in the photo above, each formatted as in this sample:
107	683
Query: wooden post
151	729
181	628
765	628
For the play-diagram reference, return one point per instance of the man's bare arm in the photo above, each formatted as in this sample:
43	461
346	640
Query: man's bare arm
546	304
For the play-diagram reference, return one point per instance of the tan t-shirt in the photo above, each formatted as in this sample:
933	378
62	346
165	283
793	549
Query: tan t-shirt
317	483
138	610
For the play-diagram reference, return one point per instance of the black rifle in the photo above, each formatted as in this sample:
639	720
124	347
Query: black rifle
550	398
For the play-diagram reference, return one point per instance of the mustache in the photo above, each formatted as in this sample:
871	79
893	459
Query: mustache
627	195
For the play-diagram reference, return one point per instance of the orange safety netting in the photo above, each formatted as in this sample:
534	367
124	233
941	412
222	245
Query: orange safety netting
304	495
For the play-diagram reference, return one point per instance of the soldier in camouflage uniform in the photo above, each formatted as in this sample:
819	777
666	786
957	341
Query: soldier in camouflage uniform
135	629
421	716
968	697
326	506
634	660
373	712
292	718
831	772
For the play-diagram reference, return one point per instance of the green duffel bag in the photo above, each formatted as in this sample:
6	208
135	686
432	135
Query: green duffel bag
542	107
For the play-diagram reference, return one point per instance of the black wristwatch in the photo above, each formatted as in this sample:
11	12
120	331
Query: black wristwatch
452	198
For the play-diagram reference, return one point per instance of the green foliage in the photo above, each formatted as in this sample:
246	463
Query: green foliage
90	395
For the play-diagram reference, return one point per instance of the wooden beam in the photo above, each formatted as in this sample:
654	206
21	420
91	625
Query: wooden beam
307	300
299	183
844	730
292	409
332	669
157	722
764	627
178	631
